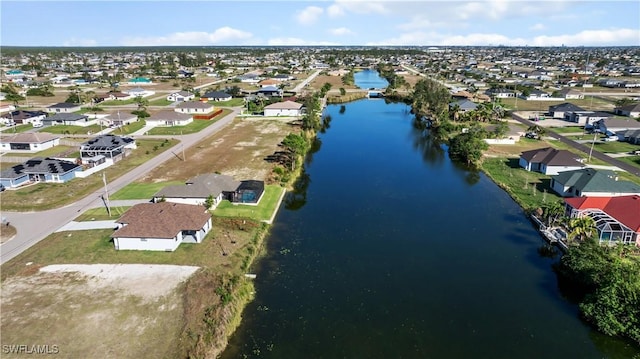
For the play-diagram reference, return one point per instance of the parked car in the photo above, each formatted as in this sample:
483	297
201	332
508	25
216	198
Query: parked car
38	124
634	152
610	138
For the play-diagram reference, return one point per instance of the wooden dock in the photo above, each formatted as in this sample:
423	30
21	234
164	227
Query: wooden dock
553	235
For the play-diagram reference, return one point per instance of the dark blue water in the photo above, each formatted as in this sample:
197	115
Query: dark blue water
394	251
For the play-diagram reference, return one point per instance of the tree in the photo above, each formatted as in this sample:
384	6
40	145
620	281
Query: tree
501	129
467	147
582	228
552	211
295	145
208	203
343	91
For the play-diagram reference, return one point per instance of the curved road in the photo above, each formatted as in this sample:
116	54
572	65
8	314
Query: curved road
32	227
586	149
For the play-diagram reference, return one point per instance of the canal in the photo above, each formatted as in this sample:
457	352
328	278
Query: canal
394	251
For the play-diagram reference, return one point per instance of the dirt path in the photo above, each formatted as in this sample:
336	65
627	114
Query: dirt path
96	311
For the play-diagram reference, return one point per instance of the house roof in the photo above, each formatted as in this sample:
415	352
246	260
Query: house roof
161	220
194	104
30	137
216	94
201	186
464	104
121	115
634	107
40	165
182	93
565	107
106	142
65	117
619	123
269	89
285	105
551	157
64	105
168	115
625	209
23	114
592	180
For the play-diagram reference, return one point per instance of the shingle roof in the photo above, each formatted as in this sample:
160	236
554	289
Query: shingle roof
40	166
23	114
286	105
201	186
161	220
565	107
30	137
552	157
194	104
168	115
216	94
592	180
64	105
65	117
106	142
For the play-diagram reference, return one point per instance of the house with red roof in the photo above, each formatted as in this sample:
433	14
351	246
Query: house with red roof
617	218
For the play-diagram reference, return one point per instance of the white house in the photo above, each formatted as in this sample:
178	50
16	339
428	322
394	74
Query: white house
64	107
194	107
29	141
590	182
139	92
118	118
286	108
549	161
169	118
161	226
196	190
180	96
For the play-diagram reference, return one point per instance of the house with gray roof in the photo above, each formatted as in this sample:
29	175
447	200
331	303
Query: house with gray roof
464	105
215	96
71	119
29	142
108	146
219	187
558	111
39	170
632	110
64	107
550	161
589	182
169	118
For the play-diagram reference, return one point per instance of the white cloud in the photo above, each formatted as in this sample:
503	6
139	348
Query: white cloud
341	31
537	27
80	42
295	41
335	10
223	35
365	7
591	38
309	15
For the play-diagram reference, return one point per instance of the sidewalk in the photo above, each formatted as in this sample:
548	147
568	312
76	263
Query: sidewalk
142	131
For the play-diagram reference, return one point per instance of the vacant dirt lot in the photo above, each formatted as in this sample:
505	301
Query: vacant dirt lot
113	308
238	150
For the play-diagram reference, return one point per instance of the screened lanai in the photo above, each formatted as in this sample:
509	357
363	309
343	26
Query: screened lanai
609	229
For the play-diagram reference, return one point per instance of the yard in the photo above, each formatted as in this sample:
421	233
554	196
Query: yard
72	130
140	190
590	103
160	102
17	128
262	212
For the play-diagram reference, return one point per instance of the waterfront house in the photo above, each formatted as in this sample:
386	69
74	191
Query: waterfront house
590	182
180	96
550	161
39	170
64	107
161	226
197	189
464	105
169	118
285	108
29	142
617	219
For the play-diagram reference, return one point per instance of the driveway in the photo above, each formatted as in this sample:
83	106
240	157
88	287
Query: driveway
32	227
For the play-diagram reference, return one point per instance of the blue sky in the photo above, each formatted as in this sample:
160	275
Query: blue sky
339	22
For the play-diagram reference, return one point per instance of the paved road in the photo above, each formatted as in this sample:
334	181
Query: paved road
34	226
584	148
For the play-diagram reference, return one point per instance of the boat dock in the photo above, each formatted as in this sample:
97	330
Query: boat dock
553	235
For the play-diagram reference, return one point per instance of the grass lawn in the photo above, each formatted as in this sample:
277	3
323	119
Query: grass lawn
72	130
52	152
615	147
101	214
160	102
193	127
530	189
231	103
51	195
138	190
18	128
568	129
262	212
130	128
595	104
118	102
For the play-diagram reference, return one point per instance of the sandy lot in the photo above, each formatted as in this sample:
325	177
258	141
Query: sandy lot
114	308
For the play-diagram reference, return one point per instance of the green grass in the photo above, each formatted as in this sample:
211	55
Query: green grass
72	130
160	102
118	102
130	128
193	127
596	104
262	212
526	188
137	190
231	103
18	128
101	214
568	129
44	196
615	147
53	151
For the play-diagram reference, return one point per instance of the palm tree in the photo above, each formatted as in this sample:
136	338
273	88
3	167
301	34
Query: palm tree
582	228
553	211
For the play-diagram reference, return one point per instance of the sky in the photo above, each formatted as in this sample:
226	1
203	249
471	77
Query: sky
308	23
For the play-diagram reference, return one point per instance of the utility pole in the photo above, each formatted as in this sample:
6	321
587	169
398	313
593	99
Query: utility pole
182	143
592	143
106	193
